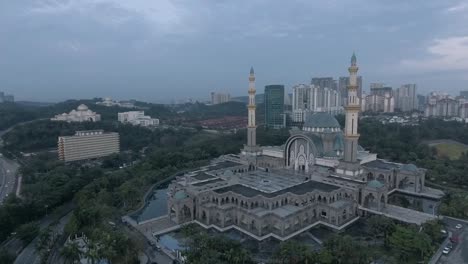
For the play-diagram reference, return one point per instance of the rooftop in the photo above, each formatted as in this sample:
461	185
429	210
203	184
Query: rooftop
300	189
321	120
380	164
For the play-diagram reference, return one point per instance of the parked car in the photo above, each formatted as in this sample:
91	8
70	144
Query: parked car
458	226
443	231
454	239
446	250
450	245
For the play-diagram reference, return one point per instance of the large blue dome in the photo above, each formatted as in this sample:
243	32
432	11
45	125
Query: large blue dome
321	120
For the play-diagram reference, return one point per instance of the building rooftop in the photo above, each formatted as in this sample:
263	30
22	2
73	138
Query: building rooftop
201	176
223	164
380	164
198	184
321	120
300	189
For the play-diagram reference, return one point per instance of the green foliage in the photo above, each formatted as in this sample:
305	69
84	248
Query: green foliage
410	245
5	257
71	252
43	134
15	212
208	249
27	232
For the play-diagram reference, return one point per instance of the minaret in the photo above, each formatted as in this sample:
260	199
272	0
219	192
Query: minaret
251	127
352	114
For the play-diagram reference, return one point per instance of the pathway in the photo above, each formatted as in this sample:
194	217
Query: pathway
402	214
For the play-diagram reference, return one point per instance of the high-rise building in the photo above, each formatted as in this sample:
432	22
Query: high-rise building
6	97
300	102
406	98
381	90
88	144
274	106
380	99
378	103
311	98
219	98
443	105
464	94
324	82
343	83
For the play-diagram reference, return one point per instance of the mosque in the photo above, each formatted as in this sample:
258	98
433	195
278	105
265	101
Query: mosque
320	176
81	114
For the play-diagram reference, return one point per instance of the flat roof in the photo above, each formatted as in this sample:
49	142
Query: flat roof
300	189
223	164
380	164
198	184
201	176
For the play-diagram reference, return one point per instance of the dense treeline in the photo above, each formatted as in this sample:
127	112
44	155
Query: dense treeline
388	242
43	134
13	113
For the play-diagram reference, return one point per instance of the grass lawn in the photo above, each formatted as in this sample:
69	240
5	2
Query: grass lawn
451	150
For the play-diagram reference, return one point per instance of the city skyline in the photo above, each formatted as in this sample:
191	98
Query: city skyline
163	50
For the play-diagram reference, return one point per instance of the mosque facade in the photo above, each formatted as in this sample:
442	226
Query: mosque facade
320	176
81	114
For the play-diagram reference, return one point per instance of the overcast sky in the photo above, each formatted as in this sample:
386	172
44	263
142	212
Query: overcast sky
156	50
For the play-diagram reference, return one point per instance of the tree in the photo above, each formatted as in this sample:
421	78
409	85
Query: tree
379	225
71	252
44	239
408	243
291	252
27	232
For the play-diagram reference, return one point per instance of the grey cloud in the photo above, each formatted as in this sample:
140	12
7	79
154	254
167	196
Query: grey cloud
155	50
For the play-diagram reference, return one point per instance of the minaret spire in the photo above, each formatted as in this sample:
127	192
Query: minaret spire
251	136
251	148
352	114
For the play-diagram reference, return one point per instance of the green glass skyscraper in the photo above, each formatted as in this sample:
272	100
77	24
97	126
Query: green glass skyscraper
274	106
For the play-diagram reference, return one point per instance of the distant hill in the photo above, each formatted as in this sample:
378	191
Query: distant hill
34	104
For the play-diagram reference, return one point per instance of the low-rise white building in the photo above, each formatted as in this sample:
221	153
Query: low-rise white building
81	114
109	102
137	118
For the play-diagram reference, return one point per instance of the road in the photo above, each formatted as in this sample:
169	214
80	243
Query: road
8	169
29	255
459	253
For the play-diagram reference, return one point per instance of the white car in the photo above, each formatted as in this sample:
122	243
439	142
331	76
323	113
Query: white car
446	250
443	231
458	226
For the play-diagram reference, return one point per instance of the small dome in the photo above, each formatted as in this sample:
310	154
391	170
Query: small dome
375	184
179	195
82	107
409	167
321	120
